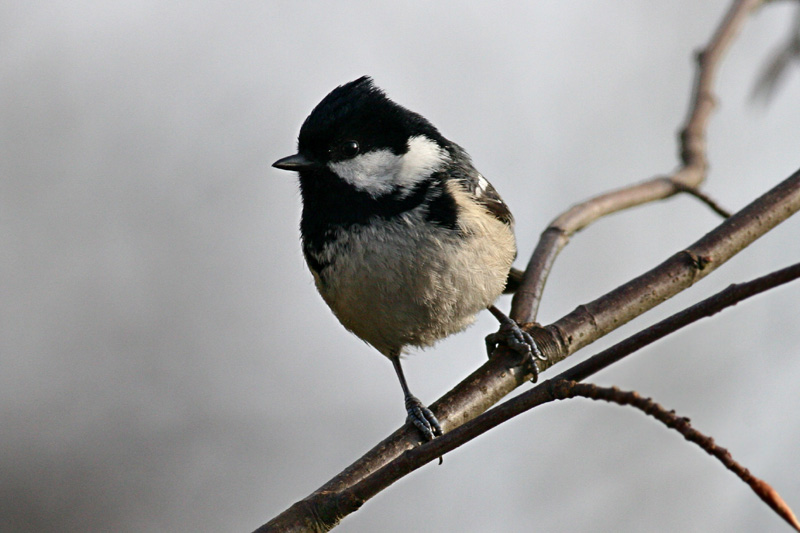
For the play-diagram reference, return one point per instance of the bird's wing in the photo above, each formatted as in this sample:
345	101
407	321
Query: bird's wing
480	188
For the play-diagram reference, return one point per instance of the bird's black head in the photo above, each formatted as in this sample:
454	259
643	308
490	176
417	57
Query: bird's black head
356	118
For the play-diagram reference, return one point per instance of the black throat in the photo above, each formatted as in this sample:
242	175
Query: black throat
331	205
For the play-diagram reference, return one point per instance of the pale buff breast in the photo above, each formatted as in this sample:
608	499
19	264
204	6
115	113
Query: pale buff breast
408	283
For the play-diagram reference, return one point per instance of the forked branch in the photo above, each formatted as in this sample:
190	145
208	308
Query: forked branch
688	177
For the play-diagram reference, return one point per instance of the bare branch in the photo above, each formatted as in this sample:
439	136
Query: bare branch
396	455
591	321
572	389
710	306
341	503
525	305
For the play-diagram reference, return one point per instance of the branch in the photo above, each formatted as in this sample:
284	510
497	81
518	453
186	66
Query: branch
350	499
525	305
571	389
395	457
708	307
591	321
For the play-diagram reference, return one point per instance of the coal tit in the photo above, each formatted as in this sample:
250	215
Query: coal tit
407	242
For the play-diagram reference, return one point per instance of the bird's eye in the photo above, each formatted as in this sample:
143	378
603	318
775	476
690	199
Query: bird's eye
349	149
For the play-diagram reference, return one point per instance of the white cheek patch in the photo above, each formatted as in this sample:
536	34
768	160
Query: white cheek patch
381	172
372	172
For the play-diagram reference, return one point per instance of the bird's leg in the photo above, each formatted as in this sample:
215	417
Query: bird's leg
418	414
512	336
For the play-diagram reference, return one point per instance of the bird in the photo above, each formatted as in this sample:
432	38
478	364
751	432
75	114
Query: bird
405	239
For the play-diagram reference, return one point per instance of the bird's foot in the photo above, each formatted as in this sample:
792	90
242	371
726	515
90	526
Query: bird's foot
515	338
422	418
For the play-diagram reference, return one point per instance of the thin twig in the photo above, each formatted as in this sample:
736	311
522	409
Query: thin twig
703	197
572	389
525	304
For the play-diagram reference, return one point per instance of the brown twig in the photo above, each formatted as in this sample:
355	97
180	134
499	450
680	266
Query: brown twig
572	389
525	305
703	197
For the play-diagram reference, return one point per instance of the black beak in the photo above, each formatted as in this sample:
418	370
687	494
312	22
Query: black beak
294	162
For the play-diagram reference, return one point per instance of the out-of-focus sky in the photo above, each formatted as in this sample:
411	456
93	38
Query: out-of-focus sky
166	363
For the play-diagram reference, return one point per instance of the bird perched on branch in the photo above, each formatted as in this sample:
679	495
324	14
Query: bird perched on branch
407	242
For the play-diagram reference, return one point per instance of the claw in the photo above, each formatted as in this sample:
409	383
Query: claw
515	338
422	418
419	415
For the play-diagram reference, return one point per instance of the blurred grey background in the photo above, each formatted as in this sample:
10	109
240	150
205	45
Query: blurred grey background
166	362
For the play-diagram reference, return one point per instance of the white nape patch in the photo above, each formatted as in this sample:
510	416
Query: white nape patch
422	159
381	172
